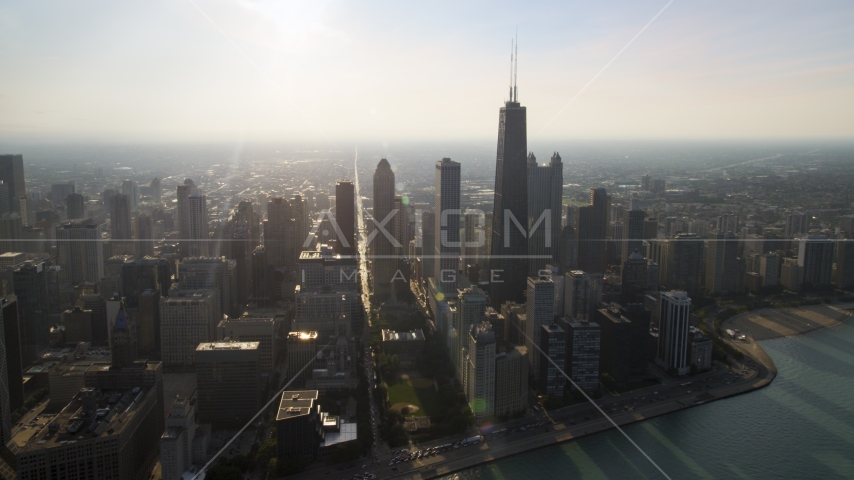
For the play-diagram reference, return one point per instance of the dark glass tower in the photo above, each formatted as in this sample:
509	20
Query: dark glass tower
345	215
509	250
383	263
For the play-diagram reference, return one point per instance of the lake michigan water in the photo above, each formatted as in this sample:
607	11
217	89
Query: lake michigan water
799	427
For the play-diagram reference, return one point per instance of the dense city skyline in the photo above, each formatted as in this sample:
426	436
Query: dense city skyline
292	245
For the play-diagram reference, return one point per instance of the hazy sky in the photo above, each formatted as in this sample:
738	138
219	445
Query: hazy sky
346	71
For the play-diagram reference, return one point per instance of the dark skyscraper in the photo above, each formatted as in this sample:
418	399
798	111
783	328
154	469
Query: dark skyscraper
12	174
279	233
345	215
121	232
123	344
509	250
144	236
30	281
633	233
382	247
592	223
182	215
74	206
545	189
447	225
12	344
261	277
156	191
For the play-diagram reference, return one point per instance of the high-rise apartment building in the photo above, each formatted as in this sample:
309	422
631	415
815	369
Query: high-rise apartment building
545	191
5	199
228	393
684	262
5	387
479	381
301	224
59	191
148	322
428	244
345	215
141	274
130	189
797	223
633	233
674	311
470	310
511	381
646	182
637	279
447	225
11	233
121	230
182	215
509	248
187	318
401	226
176	444
30	280
582	354
97	305
27	210
625	350
791	274
722	263
144	236
650	229
262	278
12	174
12	345
383	263
843	273
577	295
540	311
815	258
552	347
727	224
81	252
279	233
592	227
74	206
197	215
156	191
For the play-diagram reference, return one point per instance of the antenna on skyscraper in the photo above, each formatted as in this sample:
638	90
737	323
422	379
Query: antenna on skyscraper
511	70
516	67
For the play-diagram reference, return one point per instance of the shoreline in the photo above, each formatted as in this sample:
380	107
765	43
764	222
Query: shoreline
766	373
487	453
752	349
